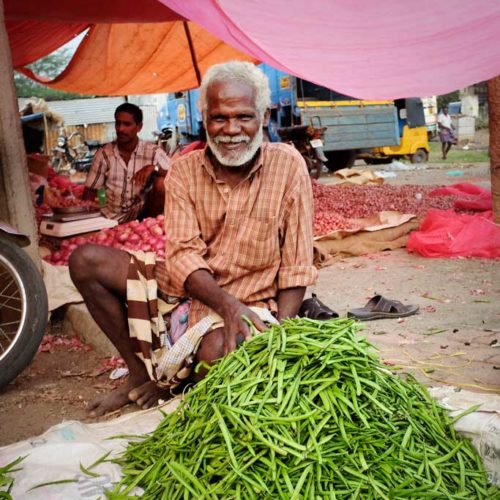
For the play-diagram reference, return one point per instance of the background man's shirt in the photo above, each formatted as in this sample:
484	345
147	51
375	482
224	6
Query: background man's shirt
123	200
444	120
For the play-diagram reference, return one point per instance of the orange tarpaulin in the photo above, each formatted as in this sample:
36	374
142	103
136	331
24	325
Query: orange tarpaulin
120	59
36	28
30	40
133	47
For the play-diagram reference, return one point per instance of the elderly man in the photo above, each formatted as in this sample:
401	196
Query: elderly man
238	216
128	169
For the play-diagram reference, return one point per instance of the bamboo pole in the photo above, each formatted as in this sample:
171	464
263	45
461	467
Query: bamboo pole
494	126
16	205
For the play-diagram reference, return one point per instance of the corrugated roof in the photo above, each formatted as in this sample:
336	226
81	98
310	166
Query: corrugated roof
86	111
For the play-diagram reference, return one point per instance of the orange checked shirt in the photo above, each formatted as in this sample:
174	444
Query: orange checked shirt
254	239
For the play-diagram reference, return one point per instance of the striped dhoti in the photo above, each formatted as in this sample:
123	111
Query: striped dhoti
168	363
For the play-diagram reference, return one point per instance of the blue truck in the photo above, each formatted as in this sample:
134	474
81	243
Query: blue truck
352	125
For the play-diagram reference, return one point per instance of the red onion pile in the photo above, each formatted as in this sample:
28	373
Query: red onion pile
334	205
148	235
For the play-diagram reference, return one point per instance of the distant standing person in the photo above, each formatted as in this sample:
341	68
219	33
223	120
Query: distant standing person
131	170
446	135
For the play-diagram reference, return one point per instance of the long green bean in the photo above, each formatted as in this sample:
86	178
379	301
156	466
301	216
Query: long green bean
305	410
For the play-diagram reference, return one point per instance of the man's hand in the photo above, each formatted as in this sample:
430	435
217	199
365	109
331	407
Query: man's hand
141	177
201	285
236	329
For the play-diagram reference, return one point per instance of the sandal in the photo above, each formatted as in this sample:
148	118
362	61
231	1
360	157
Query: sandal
313	308
379	307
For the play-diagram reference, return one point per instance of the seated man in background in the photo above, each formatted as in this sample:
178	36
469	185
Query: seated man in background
238	216
131	170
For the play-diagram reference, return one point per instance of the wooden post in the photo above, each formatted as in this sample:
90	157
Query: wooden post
16	205
494	126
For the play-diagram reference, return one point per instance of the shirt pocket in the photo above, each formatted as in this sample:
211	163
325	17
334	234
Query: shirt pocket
257	243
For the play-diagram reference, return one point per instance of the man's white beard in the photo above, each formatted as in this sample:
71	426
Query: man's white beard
235	158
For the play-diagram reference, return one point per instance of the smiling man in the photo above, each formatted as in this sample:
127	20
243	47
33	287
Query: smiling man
238	216
127	168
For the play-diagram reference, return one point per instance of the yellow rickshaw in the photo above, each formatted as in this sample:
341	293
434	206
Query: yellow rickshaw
414	141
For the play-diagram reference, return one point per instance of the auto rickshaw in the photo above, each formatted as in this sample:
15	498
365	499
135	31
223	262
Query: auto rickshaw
414	142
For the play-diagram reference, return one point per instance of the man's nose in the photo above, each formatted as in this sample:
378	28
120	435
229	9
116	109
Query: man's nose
232	127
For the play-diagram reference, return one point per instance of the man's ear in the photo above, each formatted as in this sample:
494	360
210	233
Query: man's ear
265	119
140	127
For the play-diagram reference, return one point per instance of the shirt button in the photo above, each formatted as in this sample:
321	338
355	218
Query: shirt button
226	190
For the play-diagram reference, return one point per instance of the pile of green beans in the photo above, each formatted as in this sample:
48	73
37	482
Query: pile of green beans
305	410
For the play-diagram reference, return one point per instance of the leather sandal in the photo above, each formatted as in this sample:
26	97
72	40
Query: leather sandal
379	307
313	308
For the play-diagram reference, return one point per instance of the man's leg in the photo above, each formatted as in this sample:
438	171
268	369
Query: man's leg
211	348
448	147
100	274
443	150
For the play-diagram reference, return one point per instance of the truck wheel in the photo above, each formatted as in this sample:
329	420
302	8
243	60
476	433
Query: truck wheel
338	160
420	156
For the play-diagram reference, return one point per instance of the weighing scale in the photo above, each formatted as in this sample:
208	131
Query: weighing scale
69	221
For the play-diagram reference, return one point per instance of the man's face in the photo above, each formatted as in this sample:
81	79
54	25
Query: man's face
233	124
445	110
126	128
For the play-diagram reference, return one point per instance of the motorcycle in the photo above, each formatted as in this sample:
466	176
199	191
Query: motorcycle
73	153
168	140
23	305
308	140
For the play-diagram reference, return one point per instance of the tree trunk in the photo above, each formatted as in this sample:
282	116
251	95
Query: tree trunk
494	126
16	205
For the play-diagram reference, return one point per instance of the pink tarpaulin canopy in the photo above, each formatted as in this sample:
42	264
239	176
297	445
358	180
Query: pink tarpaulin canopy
370	49
378	49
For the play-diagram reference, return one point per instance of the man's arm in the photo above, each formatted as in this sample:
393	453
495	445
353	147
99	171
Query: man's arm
296	270
289	302
96	176
201	286
161	164
141	177
89	194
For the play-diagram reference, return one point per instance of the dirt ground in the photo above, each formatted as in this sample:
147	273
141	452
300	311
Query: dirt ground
453	340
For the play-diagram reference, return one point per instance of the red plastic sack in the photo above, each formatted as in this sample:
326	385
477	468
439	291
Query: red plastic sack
445	233
468	196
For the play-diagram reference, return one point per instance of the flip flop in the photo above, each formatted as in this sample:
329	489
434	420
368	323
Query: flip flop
379	307
313	308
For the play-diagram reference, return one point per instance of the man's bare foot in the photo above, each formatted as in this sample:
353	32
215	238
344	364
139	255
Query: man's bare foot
147	395
116	399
